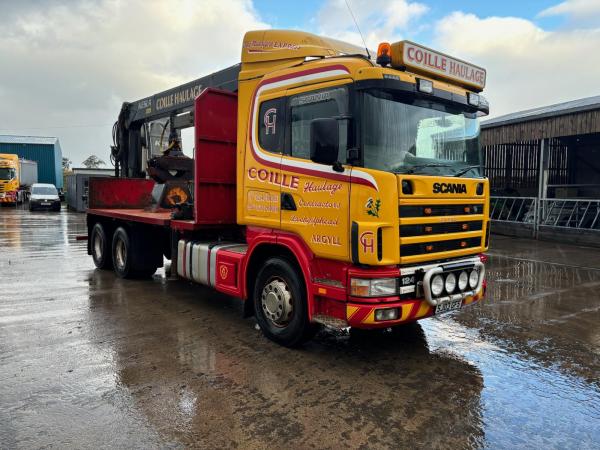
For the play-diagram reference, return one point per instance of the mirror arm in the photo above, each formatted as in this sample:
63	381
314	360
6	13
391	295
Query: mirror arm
337	167
353	155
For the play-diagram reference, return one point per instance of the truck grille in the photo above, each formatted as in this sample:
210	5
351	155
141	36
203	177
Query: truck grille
440	228
439	210
466	226
439	246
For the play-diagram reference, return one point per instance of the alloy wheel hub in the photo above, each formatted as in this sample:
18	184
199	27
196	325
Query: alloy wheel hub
276	302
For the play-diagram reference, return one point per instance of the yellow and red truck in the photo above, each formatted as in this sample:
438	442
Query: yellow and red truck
16	177
328	186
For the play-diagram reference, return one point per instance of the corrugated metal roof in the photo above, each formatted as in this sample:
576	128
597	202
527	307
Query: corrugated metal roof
10	139
558	109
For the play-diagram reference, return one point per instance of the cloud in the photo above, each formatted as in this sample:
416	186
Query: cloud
68	64
527	65
379	20
577	9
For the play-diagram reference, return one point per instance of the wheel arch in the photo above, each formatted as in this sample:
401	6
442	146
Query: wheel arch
288	247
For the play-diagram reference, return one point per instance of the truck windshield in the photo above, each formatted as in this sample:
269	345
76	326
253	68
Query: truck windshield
6	173
403	135
44	190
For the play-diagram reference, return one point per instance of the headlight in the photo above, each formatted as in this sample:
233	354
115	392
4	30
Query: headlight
450	284
474	279
374	287
437	285
463	281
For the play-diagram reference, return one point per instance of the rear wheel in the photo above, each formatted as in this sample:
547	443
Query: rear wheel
100	246
280	303
126	263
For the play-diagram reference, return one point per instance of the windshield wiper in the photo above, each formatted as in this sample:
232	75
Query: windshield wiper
421	166
460	173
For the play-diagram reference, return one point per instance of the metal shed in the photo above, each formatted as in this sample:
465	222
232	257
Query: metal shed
77	188
45	151
544	171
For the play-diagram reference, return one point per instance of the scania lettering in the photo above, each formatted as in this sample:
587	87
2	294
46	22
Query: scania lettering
328	186
451	188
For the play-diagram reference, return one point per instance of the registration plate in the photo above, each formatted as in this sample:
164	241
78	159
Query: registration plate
45	203
448	306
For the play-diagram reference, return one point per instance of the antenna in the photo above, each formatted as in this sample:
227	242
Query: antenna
358	28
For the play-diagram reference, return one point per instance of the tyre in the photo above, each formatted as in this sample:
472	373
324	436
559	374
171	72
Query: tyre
129	260
56	208
122	253
30	207
280	303
100	247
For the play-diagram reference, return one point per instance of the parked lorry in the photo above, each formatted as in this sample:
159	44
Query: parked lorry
16	177
327	187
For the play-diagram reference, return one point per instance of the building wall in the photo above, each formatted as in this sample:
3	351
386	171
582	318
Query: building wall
48	157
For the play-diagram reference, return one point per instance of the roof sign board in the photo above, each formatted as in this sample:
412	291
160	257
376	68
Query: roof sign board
425	60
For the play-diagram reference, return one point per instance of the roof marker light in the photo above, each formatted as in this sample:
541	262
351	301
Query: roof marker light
473	99
425	86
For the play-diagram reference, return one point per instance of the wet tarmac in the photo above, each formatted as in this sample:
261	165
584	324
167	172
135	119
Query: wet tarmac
91	361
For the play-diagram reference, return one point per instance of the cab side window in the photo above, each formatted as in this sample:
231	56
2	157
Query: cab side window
326	103
271	125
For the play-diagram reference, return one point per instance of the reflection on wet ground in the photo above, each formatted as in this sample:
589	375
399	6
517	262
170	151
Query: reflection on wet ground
88	360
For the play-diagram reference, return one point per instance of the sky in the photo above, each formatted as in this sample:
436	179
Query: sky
67	65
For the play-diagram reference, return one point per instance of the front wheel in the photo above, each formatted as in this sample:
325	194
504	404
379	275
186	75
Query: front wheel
280	303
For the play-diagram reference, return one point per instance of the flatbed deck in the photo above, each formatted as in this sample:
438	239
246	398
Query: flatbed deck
160	217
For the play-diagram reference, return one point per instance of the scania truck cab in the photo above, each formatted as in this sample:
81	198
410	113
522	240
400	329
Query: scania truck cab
352	193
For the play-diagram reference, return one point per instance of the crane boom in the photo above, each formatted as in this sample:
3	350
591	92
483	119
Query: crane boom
127	136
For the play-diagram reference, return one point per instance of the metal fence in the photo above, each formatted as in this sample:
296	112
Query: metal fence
514	209
579	214
576	214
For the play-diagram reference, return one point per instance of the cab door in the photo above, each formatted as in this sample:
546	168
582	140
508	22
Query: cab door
262	170
314	197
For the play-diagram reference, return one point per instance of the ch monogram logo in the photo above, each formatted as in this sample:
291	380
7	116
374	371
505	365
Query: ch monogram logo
366	240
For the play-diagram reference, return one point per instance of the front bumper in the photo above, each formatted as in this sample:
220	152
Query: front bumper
360	315
44	204
8	197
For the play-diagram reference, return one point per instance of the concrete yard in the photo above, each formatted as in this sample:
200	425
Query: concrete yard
91	361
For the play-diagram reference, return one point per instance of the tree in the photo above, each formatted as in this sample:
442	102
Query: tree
66	163
93	162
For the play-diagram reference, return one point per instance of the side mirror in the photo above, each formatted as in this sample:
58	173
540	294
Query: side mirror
324	141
